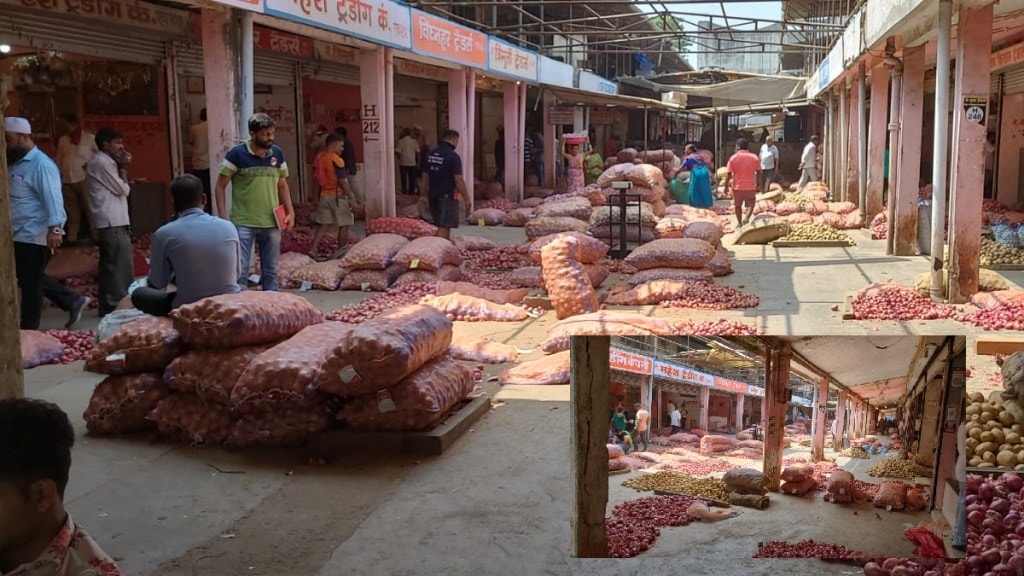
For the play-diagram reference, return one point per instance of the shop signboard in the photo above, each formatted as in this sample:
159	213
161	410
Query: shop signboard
682	374
755	390
835	61
335	53
558	115
1007	57
508	60
801	401
629	362
135	14
420	70
250	5
852	39
591	82
555	73
730	385
282	42
823	78
432	36
380	21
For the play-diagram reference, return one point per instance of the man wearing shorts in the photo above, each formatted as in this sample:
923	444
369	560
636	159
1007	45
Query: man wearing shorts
446	184
337	201
744	170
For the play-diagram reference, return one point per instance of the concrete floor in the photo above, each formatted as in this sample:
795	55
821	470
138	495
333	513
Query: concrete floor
498	502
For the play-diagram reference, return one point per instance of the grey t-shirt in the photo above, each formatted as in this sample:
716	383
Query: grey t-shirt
200	253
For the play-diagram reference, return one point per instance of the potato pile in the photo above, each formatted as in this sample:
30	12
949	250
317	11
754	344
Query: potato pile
996	254
713	488
993	435
896	466
815	231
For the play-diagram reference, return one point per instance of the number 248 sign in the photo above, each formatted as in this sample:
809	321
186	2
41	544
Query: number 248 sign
974	109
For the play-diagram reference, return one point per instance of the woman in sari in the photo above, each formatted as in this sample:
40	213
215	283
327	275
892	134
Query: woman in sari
576	180
700	178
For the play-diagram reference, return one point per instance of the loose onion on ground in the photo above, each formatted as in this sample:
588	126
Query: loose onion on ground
381	303
77	345
708	296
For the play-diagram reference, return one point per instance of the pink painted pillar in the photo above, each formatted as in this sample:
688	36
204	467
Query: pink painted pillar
377	115
513	141
973	52
739	411
705	399
459	120
521	158
818	442
549	143
840	421
909	174
878	137
853	161
469	152
222	65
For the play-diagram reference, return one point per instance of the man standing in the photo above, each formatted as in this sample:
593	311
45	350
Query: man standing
199	252
499	156
37	215
643	426
74	150
537	153
809	163
675	418
446	184
258	176
107	174
348	155
198	138
408	151
769	162
334	211
744	170
528	153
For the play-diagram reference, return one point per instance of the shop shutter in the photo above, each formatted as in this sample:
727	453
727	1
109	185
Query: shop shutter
188	59
332	72
81	36
1013	81
275	69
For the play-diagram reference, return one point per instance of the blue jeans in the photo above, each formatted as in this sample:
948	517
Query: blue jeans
268	241
539	168
960	532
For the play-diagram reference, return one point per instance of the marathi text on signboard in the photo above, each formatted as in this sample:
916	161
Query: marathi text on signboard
629	362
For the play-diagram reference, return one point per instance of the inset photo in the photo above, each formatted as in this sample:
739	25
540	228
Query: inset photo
705	448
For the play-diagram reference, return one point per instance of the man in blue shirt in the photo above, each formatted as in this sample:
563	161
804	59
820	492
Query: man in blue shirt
198	251
37	215
444	171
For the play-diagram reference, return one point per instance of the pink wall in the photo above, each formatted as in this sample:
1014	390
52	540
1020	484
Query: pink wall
326	102
1011	140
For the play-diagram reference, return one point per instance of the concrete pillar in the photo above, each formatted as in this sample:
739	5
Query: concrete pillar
818	441
973	52
513	141
878	139
469	150
776	396
911	123
739	411
842	152
705	400
840	421
377	114
853	150
550	148
588	435
222	65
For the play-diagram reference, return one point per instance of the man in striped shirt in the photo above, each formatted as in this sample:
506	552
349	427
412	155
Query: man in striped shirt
258	176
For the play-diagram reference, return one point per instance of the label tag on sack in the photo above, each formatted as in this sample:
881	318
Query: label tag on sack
254	278
365	286
414	264
349	375
480	222
147	260
306	286
116	360
384	402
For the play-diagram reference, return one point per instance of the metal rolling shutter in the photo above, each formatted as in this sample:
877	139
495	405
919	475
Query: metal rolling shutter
331	72
1013	81
270	68
188	59
85	37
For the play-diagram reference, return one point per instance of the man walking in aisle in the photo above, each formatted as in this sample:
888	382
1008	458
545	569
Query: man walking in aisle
769	163
809	163
198	252
107	174
408	151
258	176
744	170
74	150
198	138
66	299
446	184
643	426
37	215
499	156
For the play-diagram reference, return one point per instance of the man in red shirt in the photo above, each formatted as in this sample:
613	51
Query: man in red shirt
744	171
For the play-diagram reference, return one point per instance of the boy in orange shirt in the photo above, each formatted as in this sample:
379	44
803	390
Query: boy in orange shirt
744	172
336	198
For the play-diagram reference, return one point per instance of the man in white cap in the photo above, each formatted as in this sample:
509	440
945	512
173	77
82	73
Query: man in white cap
37	215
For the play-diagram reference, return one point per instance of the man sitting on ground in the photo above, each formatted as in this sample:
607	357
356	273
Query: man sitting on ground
37	537
199	251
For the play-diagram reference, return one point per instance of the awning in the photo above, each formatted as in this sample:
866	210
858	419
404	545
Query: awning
584	98
753	90
763	107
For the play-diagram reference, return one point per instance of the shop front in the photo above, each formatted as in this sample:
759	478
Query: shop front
1006	119
688	389
630	378
104	63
